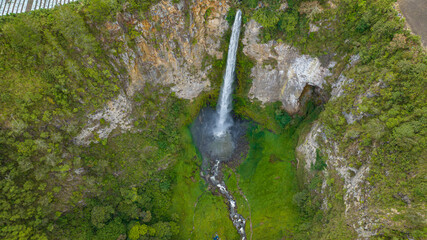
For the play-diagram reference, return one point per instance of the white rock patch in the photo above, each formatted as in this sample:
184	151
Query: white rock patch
313	28
308	148
338	86
115	113
284	81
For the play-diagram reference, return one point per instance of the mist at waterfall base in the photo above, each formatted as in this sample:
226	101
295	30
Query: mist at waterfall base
212	147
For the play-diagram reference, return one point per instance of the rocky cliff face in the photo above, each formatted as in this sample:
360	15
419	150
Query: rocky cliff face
281	73
356	188
168	46
172	41
355	184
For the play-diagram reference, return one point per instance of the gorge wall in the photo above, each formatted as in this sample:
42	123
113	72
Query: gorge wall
171	43
280	74
169	46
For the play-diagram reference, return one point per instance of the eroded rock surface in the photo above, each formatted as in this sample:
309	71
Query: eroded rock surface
115	114
281	73
171	44
168	46
356	186
307	149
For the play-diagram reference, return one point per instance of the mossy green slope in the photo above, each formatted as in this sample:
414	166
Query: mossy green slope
202	214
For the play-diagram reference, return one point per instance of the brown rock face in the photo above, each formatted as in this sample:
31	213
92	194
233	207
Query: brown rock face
171	42
167	45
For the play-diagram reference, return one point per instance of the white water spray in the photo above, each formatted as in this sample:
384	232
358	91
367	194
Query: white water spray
224	102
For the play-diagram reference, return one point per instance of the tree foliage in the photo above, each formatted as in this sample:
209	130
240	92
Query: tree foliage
54	70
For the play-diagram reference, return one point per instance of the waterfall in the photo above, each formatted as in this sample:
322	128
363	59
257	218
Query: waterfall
224	120
216	135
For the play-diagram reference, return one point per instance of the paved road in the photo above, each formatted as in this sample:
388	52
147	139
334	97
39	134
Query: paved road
415	12
18	6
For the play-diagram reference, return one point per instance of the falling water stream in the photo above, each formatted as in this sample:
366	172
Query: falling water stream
224	102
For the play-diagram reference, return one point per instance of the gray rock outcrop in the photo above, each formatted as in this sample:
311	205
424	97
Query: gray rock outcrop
355	184
281	73
115	114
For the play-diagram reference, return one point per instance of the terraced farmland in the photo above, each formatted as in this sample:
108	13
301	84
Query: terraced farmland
19	6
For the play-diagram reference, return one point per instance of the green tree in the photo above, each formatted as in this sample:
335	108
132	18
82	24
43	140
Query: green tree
138	230
99	10
72	26
100	215
165	230
288	23
112	231
268	18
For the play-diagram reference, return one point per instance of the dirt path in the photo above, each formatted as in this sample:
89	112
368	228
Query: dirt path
415	12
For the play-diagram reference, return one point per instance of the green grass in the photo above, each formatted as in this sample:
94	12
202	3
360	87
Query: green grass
243	207
269	182
266	177
210	216
264	115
